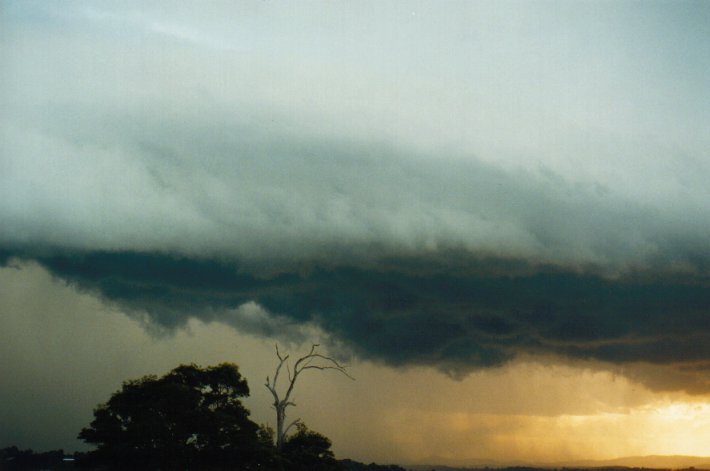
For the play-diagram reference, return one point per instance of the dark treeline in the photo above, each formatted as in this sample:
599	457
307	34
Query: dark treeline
350	465
14	459
190	419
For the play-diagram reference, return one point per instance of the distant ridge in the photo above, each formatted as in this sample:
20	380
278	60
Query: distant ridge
652	461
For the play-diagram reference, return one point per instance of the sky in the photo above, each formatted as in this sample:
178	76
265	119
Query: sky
497	213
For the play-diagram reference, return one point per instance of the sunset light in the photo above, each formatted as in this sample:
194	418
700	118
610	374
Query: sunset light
293	236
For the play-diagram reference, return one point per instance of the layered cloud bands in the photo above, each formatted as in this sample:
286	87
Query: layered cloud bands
456	219
449	262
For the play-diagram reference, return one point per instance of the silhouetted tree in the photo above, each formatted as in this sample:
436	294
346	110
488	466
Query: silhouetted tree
191	418
14	459
312	361
307	450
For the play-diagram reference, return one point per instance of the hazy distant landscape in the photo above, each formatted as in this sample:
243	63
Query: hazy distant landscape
591	467
59	461
634	462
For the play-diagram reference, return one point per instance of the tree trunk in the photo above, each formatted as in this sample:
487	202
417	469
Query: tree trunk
280	417
312	361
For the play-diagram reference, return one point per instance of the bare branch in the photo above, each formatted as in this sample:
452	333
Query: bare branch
278	354
297	421
273	391
288	368
278	370
336	368
311	361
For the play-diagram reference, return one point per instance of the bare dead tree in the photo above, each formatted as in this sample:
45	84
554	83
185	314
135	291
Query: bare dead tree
312	361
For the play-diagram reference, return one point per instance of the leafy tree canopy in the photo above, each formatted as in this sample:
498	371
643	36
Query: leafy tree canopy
308	450
191	418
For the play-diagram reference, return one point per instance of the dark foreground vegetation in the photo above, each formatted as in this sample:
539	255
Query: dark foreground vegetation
190	419
14	459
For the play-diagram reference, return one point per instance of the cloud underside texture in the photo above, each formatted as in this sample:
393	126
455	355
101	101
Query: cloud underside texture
456	322
454	223
409	260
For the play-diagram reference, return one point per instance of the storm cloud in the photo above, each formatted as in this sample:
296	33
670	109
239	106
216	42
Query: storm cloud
456	320
457	215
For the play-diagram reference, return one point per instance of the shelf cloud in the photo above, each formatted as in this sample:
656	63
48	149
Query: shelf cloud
480	210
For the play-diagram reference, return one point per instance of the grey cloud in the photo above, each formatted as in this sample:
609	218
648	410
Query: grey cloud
454	321
445	215
288	161
250	318
403	257
261	194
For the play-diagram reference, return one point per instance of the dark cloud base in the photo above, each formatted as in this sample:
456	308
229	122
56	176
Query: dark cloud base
456	320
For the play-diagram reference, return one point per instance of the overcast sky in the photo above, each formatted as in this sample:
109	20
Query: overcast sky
468	201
